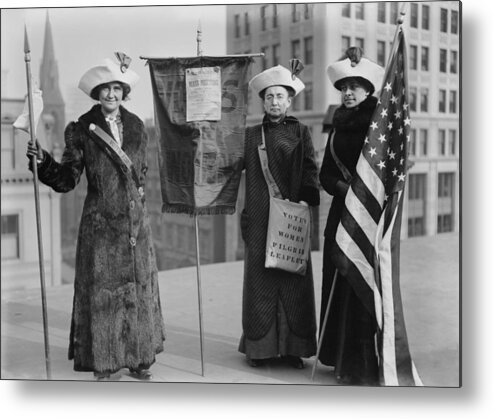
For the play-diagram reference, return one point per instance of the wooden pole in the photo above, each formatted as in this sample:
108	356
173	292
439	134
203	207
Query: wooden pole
27	59
197	242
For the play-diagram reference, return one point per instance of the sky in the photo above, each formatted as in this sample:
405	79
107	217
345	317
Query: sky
84	36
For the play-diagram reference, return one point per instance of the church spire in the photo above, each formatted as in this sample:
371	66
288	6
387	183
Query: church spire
48	74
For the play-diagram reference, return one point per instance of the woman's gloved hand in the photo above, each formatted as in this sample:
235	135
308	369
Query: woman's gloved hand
342	188
35	150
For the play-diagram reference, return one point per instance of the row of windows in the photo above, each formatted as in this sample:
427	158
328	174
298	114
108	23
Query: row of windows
306	55
419	145
417	203
298	12
425	18
424	99
446	64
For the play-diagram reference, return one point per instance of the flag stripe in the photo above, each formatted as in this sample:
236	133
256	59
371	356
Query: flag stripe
368	188
362	234
357	271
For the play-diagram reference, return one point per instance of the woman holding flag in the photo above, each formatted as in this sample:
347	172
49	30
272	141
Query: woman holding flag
348	342
116	316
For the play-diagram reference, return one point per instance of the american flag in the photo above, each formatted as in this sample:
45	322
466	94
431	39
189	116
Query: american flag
368	237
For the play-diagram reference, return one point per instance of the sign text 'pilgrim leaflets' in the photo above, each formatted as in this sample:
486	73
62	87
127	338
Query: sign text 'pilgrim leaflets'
288	236
203	86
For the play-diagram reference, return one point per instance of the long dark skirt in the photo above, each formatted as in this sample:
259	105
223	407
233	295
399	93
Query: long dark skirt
349	339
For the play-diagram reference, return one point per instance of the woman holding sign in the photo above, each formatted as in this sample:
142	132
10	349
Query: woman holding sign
348	343
116	316
278	306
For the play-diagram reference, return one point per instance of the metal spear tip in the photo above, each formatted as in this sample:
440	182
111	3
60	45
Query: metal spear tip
26	41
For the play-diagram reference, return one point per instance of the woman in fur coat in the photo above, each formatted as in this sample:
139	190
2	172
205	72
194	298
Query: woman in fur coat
348	343
116	319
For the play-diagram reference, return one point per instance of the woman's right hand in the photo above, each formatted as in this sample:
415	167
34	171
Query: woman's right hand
35	150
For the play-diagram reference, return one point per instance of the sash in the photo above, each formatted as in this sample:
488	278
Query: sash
344	170
110	147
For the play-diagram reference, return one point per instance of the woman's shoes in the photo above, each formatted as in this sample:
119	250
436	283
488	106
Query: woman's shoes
140	373
254	363
102	376
294	361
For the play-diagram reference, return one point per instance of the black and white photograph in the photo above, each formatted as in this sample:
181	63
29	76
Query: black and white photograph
249	195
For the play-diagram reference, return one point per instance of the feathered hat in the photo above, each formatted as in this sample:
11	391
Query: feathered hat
107	72
354	65
276	76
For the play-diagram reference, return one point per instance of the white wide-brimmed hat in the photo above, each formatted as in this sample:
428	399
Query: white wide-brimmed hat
364	69
107	72
276	76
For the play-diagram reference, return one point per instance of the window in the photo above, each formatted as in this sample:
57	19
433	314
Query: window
443	20
8	147
276	54
412	142
453	62
423	142
359	11
296	49
445	202
307	11
263	18
308	50
414	15
265	59
394	12
345	43
453	101
346	10
413	57
237	26
10	237
416	205
424	100
412	98
308	96
295	14
441	142
424	58
454	24
274	15
452	141
425	17
382	12
247	25
381	51
360	42
443	60
441	100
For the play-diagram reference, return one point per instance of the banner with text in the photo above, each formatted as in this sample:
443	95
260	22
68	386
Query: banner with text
200	108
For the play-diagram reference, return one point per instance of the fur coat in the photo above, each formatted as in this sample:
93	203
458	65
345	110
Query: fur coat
292	164
116	317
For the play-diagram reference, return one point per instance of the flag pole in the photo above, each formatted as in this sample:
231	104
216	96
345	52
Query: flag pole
27	59
400	21
326	316
197	242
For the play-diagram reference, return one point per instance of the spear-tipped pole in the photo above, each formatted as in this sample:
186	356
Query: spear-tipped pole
32	140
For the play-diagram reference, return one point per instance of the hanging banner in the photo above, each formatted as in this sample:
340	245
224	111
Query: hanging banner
200	108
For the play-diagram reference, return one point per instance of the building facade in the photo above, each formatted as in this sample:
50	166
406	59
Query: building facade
319	34
20	257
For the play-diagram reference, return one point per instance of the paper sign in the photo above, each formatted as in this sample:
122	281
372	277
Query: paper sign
203	87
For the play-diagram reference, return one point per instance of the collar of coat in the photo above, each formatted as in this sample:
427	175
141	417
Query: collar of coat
355	118
286	118
132	125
